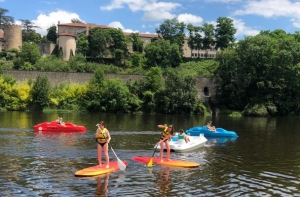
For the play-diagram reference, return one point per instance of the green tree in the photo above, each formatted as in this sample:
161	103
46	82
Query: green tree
118	45
172	30
40	93
76	20
52	34
162	53
82	44
28	32
224	33
208	38
178	96
93	100
137	43
154	79
5	20
30	52
28	25
31	36
195	38
99	40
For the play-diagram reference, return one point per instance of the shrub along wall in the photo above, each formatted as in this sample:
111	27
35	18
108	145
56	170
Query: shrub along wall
205	86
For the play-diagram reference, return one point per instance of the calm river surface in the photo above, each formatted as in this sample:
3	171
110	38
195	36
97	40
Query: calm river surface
263	161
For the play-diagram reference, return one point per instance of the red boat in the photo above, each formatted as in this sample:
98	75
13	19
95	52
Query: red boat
54	126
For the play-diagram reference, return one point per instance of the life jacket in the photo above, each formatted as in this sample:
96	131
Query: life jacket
165	132
102	135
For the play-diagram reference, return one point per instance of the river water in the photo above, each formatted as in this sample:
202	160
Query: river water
263	161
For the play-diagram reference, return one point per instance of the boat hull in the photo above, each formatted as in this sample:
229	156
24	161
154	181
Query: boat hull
196	131
54	127
179	145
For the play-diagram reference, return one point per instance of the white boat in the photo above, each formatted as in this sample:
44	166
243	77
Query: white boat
179	145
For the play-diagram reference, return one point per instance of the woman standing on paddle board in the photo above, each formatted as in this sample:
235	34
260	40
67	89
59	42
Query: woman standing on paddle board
103	138
164	139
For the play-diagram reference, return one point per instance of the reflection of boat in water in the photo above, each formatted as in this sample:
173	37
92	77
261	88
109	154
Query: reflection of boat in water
179	145
55	127
220	140
195	131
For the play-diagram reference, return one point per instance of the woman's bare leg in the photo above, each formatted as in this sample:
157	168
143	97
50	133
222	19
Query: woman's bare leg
99	149
161	151
105	149
168	150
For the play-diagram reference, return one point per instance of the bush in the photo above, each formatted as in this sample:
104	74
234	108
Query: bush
255	110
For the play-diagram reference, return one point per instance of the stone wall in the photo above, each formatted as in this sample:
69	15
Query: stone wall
205	86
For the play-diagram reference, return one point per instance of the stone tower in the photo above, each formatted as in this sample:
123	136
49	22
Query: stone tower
12	37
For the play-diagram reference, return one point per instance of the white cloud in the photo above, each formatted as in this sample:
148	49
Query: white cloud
140	5
272	8
153	10
117	24
242	30
156	15
44	21
224	1
189	18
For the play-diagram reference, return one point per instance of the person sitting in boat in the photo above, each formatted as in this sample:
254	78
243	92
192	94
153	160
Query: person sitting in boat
61	122
57	120
210	127
184	136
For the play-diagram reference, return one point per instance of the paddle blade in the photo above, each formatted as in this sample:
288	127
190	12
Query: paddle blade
121	164
149	164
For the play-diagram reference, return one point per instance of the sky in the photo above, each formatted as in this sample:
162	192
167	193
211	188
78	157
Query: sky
144	16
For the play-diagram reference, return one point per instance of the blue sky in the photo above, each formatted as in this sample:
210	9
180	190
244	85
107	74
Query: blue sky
249	16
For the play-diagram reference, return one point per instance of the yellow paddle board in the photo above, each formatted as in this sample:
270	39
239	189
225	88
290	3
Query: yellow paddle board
97	170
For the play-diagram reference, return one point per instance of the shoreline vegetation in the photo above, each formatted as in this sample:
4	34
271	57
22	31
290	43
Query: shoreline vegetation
255	76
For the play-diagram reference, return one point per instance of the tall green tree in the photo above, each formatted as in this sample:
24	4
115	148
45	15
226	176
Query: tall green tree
40	93
82	45
224	33
28	32
99	41
208	38
195	38
172	30
162	53
5	20
52	34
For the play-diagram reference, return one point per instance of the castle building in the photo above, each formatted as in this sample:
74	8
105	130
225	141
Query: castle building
69	32
10	37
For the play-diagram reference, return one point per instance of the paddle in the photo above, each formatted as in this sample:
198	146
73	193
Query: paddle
149	164
121	164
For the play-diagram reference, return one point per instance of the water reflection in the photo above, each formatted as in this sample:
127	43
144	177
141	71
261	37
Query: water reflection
163	181
102	184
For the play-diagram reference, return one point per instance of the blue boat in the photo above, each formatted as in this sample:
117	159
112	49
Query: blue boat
195	131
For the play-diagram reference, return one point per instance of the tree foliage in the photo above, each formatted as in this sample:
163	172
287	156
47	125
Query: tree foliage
40	93
262	71
224	33
52	34
5	20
